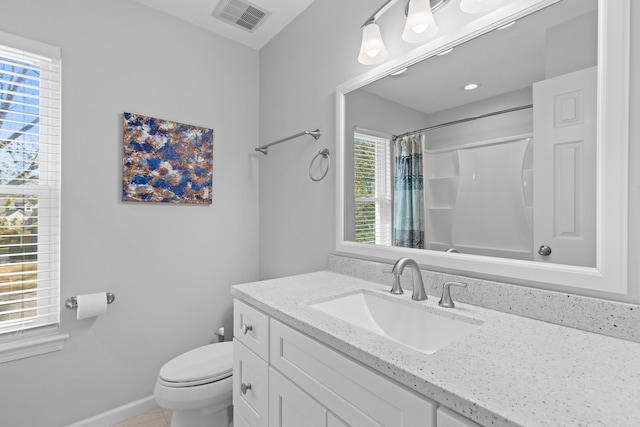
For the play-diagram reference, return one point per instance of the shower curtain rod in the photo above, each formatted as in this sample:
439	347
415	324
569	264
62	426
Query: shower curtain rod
314	133
468	119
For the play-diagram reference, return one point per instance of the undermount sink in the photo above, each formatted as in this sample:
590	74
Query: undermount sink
419	327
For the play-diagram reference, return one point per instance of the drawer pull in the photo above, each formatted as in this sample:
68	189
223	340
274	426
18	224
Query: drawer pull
245	387
246	328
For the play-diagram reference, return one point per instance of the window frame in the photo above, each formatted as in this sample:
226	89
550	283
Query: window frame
42	336
383	199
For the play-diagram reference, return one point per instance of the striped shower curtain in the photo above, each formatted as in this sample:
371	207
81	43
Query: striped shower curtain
408	204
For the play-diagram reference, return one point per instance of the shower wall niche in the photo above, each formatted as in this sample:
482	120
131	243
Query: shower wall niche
442	172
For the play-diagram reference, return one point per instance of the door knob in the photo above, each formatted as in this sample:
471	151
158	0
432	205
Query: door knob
544	250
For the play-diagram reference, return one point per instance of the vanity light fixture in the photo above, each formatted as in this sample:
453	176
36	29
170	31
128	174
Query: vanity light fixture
420	25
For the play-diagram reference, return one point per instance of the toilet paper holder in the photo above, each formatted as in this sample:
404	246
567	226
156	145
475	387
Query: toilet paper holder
72	302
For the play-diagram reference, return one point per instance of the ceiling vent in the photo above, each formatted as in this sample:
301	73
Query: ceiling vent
240	13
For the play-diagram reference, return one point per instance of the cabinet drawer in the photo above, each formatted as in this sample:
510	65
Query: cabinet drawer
356	394
251	327
250	386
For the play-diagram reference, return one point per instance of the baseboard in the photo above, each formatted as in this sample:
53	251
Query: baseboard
119	414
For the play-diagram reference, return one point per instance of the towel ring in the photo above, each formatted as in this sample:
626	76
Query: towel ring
324	153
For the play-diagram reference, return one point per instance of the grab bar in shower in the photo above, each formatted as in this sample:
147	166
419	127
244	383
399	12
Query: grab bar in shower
314	133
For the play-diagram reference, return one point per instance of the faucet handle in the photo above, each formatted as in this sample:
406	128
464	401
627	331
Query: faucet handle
446	300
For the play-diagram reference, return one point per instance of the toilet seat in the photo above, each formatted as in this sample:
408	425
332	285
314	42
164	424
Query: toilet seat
203	365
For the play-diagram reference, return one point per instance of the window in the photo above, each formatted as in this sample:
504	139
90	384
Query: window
372	187
29	194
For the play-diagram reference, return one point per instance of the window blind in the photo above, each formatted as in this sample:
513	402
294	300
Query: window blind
30	102
372	189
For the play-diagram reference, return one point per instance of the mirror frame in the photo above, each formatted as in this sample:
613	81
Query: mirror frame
610	273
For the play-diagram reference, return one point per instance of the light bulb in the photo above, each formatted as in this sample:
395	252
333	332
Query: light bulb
420	25
372	50
419	28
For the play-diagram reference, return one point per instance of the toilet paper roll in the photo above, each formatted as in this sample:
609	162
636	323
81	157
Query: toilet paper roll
91	305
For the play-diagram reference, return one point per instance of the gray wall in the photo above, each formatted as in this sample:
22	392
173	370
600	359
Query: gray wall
170	266
299	71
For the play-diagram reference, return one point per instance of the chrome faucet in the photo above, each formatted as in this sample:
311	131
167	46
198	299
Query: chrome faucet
418	286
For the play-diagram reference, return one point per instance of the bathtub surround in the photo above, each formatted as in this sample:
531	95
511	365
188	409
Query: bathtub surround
614	319
503	223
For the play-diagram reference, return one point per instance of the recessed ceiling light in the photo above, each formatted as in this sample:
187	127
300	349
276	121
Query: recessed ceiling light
445	52
397	73
472	86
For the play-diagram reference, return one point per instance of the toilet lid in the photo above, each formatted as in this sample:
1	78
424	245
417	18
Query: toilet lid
202	365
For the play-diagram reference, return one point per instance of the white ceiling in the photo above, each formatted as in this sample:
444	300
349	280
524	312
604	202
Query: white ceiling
199	12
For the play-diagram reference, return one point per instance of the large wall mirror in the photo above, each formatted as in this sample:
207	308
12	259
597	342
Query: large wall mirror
520	176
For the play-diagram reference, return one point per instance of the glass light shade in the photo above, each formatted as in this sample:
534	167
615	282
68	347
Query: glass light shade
372	50
420	25
478	6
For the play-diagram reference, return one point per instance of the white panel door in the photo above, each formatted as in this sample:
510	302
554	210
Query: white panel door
564	162
289	406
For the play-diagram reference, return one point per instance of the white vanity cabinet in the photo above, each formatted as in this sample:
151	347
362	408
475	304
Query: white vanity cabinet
283	378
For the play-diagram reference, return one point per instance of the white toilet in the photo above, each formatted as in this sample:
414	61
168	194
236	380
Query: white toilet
197	387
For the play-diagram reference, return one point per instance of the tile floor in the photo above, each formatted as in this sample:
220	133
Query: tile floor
154	418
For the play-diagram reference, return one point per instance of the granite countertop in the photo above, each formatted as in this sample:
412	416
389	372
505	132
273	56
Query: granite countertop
509	371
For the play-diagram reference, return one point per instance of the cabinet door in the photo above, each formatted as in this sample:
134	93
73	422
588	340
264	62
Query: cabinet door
238	421
358	396
448	418
250	385
291	407
333	421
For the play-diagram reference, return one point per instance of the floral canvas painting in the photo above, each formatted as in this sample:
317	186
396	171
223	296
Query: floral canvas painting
166	161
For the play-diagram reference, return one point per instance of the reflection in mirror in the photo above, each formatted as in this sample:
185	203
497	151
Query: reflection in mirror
506	169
